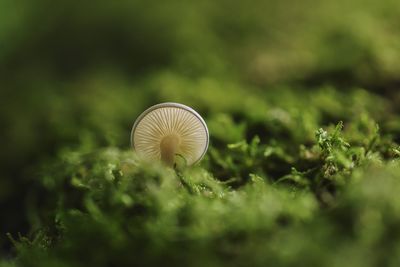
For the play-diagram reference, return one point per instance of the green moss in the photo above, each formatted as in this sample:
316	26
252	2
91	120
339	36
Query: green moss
302	104
107	206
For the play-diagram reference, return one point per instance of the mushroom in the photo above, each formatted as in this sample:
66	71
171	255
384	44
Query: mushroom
170	130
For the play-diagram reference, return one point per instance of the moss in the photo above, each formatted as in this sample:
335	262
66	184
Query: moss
302	104
108	207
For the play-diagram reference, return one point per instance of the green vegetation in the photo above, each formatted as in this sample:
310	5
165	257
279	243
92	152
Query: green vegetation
302	103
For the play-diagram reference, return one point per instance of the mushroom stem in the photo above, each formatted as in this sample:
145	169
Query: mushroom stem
169	146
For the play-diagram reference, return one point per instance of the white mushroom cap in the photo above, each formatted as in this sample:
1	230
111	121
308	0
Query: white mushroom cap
168	130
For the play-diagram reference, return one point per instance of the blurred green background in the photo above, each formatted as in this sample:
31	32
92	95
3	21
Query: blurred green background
74	76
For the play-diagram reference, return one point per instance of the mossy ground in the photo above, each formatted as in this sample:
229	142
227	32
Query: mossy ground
302	103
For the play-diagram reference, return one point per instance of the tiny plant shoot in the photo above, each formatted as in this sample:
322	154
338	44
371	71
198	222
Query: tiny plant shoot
170	132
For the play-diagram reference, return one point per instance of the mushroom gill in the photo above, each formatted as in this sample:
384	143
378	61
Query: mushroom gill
168	130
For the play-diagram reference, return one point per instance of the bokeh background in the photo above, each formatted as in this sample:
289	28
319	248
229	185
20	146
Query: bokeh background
74	75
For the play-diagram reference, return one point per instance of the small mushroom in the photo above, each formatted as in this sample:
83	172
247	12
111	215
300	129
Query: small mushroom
168	131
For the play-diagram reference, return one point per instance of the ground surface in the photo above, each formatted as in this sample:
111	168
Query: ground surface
302	101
